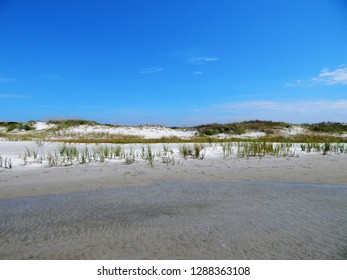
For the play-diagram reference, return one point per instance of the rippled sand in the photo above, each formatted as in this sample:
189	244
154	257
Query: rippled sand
222	220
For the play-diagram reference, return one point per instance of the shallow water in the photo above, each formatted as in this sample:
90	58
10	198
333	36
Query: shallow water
211	221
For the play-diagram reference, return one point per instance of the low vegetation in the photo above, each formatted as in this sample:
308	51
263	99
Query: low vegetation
5	162
261	149
325	148
170	154
326	132
63	124
16	126
65	155
239	128
327	127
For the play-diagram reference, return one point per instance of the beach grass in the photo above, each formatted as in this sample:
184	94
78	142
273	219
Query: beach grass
66	154
5	162
239	128
129	139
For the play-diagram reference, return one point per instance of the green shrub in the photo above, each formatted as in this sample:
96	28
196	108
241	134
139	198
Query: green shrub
68	123
20	126
327	127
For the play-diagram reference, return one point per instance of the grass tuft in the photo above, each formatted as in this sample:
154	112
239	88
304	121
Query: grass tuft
186	150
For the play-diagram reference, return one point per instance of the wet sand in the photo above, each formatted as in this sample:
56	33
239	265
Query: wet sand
197	221
232	209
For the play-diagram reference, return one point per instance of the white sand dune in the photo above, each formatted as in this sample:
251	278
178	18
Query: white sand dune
43	126
148	132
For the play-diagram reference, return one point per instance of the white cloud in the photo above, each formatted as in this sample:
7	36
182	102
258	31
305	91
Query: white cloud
5	80
203	59
326	78
150	70
5	95
197	73
339	76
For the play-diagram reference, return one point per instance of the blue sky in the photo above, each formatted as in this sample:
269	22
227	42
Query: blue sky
173	62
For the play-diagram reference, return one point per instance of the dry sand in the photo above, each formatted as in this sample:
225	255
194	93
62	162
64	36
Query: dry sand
310	168
200	209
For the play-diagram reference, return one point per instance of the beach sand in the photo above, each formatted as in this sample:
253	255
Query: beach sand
309	168
269	208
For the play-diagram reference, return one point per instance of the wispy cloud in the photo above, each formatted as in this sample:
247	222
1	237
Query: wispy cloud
197	73
51	77
6	80
6	95
299	111
326	77
292	106
201	60
338	76
150	70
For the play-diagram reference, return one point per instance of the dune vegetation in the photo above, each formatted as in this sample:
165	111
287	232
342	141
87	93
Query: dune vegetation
250	131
